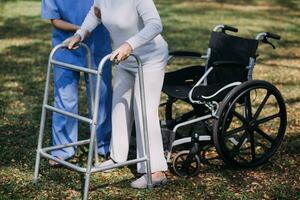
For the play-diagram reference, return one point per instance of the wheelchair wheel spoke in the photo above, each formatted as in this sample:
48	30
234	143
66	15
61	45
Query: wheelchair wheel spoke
252	142
248	107
239	116
234	131
264	135
236	148
261	106
266	119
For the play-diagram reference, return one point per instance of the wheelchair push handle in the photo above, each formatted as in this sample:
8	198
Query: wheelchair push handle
263	37
230	28
273	36
224	27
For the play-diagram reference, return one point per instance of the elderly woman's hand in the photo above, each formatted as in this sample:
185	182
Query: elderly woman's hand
73	41
121	53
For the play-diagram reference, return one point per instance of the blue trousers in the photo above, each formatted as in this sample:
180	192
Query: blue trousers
65	129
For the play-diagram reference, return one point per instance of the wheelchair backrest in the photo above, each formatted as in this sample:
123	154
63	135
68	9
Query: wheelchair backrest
230	57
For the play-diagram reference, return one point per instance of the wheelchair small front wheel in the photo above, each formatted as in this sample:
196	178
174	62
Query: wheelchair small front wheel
186	165
256	127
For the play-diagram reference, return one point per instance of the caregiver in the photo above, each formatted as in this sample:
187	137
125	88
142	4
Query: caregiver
66	16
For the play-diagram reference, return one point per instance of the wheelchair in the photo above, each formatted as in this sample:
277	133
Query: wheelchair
243	119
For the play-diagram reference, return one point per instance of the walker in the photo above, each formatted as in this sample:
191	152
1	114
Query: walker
92	142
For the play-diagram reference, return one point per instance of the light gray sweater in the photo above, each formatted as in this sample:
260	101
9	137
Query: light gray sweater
134	21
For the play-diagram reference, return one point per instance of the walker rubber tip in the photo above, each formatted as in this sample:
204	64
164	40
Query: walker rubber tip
150	187
35	182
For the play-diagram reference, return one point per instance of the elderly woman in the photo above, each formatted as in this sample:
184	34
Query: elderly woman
134	27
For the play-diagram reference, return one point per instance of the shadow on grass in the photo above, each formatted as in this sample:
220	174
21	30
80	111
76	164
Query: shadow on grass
292	4
24	26
235	1
22	73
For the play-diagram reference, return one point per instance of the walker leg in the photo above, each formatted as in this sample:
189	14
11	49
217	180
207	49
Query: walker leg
145	126
42	127
86	185
97	163
93	136
40	141
36	168
92	99
89	164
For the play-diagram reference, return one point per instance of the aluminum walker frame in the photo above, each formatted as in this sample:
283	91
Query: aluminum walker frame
43	151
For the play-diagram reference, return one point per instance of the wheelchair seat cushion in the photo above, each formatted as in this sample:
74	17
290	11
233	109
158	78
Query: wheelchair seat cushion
178	83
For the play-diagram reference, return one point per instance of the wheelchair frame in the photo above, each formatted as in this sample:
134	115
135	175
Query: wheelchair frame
213	106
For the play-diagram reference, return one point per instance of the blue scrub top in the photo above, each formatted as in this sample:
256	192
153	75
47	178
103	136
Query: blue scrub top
74	11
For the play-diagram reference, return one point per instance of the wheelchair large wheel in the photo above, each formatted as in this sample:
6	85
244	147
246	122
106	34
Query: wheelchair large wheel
256	127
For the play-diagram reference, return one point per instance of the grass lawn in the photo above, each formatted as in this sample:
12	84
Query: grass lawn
24	48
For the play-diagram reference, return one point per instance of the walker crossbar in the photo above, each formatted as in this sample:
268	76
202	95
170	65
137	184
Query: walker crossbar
92	121
69	114
129	162
63	162
82	142
73	67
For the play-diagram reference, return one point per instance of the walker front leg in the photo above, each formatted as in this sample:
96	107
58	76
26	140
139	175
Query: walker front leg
145	123
89	164
42	126
92	99
93	135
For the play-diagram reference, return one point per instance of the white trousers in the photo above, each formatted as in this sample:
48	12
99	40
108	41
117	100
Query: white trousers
127	107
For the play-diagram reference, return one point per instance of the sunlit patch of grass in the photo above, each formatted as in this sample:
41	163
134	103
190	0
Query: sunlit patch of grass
19	8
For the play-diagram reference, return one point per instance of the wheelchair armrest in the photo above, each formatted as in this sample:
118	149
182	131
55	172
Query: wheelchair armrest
185	54
227	64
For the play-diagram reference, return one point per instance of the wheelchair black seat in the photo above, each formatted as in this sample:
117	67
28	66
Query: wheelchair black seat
178	83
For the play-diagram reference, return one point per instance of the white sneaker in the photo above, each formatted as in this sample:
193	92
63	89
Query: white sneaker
141	183
106	164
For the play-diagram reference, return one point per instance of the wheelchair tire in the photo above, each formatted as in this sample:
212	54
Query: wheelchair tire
192	169
257	125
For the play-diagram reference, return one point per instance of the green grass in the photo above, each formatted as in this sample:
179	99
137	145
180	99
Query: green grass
24	48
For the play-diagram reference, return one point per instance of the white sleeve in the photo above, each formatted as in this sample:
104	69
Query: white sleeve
90	22
152	23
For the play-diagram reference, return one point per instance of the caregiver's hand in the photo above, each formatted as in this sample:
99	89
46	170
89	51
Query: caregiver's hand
121	53
72	41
